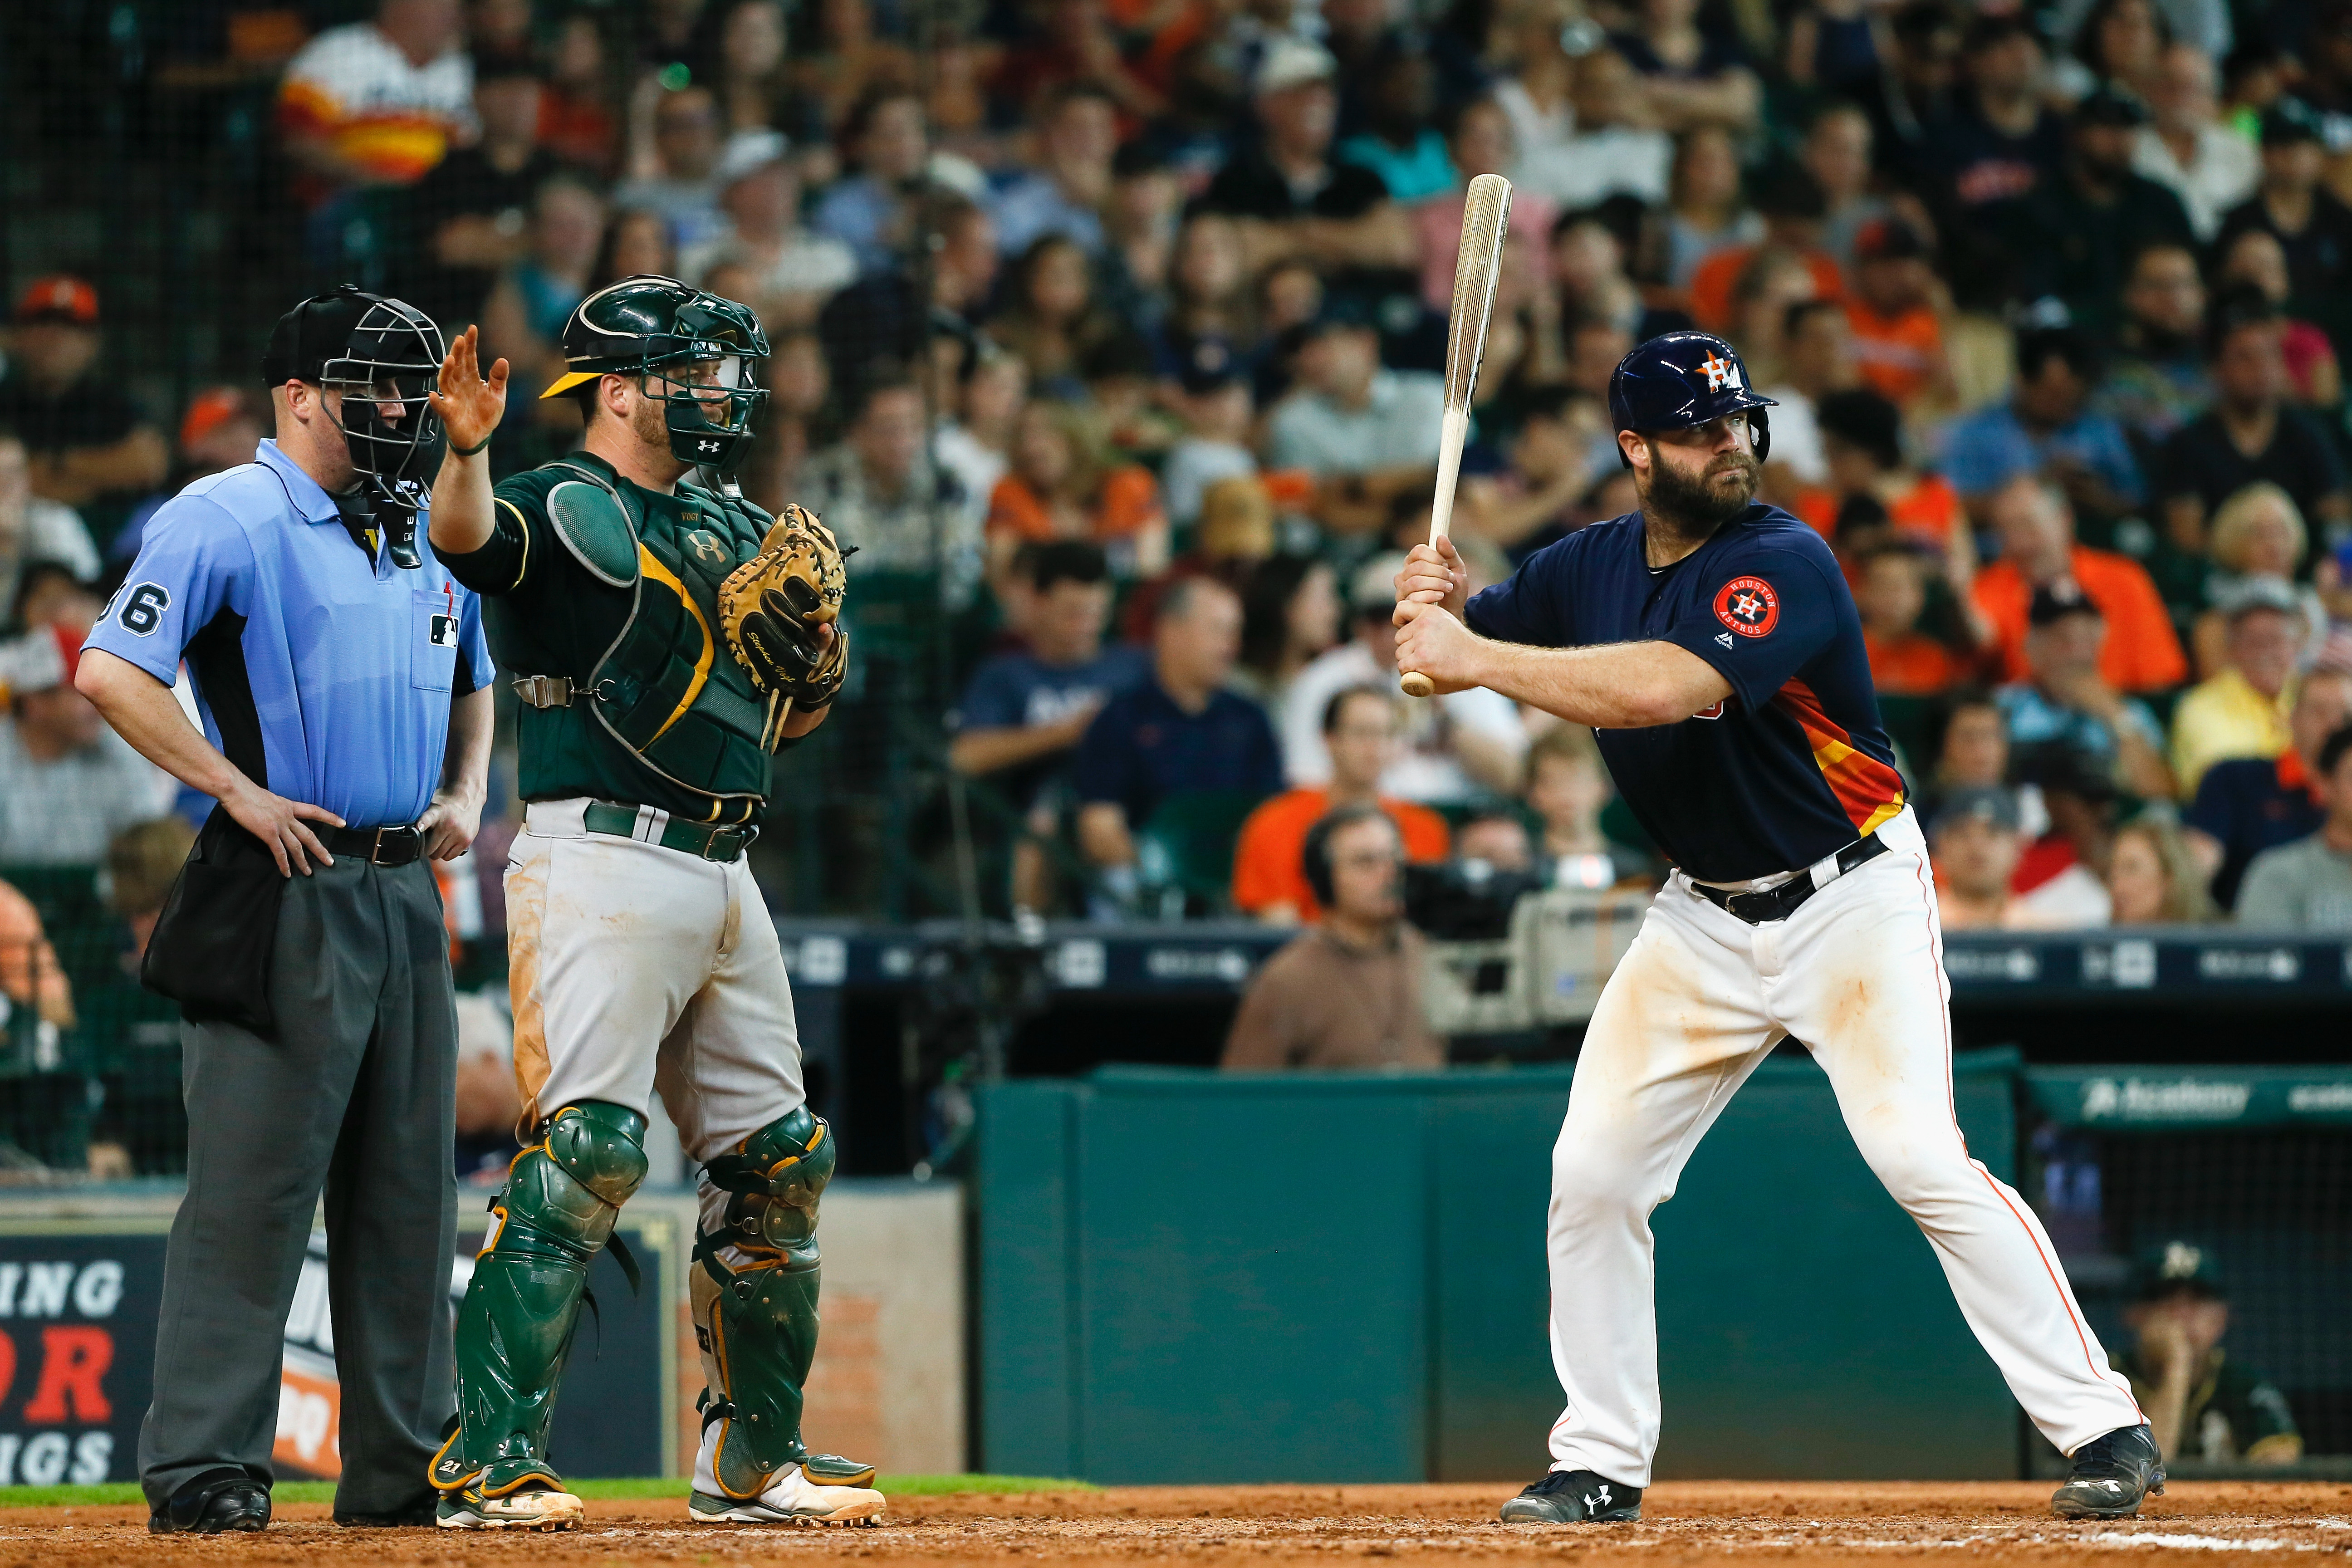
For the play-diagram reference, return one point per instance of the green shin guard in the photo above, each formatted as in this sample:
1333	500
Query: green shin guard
755	1312
561	1197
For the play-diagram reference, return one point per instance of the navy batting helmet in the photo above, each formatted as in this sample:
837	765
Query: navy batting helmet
1683	379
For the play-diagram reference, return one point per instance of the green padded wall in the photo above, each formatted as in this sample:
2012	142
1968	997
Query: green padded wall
1327	1278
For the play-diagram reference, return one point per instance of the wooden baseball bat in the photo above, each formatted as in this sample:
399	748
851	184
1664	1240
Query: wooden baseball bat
1486	219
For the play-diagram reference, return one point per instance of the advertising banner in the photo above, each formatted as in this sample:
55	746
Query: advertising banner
78	1304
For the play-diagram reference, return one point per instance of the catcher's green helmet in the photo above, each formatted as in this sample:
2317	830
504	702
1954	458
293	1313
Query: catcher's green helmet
698	346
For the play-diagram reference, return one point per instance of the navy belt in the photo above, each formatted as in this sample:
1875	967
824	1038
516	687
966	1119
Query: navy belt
1778	903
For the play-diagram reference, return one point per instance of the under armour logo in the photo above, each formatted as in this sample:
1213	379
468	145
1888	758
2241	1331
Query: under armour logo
705	545
1720	372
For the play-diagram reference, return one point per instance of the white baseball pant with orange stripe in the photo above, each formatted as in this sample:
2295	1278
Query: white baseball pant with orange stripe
1701	997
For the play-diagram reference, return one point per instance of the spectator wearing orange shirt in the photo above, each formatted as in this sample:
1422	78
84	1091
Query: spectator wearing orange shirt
1062	485
1794	211
1862	443
2036	527
1897	340
1905	661
1359	730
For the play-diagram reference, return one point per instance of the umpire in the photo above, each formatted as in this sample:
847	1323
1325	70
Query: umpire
344	685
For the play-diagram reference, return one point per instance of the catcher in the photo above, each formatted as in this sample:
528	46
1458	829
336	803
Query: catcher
666	637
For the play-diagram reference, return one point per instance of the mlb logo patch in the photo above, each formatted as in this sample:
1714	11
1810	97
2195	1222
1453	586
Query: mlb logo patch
1747	605
443	631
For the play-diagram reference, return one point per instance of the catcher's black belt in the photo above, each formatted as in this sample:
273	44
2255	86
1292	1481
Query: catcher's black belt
396	845
647	825
1778	903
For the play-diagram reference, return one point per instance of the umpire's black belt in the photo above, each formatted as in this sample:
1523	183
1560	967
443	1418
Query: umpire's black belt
1778	903
396	845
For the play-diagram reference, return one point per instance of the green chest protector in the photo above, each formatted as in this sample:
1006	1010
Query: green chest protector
667	688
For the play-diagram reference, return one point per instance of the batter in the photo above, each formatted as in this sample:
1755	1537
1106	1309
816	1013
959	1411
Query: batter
642	958
1713	644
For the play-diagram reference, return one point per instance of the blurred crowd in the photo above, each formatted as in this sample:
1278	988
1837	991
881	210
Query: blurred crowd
1109	332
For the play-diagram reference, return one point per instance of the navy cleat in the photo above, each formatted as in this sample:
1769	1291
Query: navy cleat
2112	1475
1574	1497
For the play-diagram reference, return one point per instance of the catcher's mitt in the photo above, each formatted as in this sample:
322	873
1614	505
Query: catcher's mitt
771	606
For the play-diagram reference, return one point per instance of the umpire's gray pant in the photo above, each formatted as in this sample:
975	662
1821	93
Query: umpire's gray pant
354	1094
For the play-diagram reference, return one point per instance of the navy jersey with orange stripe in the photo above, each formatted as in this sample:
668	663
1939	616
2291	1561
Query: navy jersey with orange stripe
1794	764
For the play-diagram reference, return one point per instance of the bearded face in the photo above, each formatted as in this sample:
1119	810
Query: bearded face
1700	489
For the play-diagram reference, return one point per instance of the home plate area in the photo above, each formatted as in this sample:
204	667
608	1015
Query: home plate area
1698	1521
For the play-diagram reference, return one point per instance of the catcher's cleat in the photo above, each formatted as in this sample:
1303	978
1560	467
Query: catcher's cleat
2113	1475
1574	1497
214	1503
791	1497
511	1494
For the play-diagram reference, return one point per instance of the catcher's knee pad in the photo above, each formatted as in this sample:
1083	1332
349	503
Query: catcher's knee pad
755	1298
561	1197
776	1176
595	1157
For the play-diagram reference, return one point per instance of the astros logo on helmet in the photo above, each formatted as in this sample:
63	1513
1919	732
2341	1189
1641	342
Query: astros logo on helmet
1681	380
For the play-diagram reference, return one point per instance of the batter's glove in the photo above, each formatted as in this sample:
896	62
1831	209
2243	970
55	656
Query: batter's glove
771	606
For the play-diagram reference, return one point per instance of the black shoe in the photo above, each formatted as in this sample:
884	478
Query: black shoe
2112	1475
1574	1497
214	1503
418	1513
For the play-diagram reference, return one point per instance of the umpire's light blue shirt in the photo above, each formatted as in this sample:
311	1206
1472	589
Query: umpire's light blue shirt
326	676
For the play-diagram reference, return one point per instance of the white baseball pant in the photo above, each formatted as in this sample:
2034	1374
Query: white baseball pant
1701	997
637	969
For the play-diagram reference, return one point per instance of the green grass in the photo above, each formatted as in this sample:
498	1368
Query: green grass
121	1494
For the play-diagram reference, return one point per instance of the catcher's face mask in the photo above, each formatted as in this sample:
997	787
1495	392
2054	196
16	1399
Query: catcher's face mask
386	375
707	404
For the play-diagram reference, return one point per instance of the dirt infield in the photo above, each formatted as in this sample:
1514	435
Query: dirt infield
1703	1523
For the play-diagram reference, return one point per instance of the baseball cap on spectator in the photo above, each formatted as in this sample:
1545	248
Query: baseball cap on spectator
60	296
2288	122
1372	590
2242	306
1888	240
1338	313
40	660
2054	601
2059	767
2176	1265
1992	31
208	411
2111	105
1790	192
1988	804
1863	418
1293	62
748	152
1210	363
2250	594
